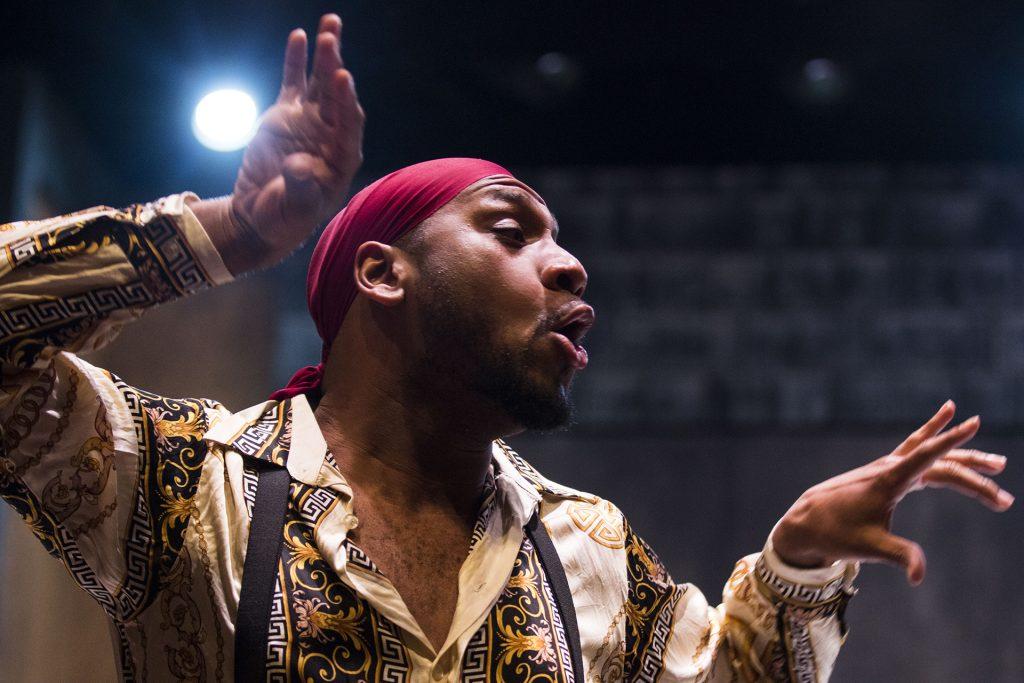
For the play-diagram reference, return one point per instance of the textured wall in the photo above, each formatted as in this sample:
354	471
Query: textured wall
798	296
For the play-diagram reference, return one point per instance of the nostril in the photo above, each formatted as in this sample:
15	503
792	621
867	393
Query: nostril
566	282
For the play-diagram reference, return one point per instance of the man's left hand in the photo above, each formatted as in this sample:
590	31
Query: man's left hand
849	517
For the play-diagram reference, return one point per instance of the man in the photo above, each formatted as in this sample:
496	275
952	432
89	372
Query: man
368	522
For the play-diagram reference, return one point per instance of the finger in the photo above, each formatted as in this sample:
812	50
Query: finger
340	103
294	79
933	426
961	478
326	60
979	461
921	458
330	23
901	552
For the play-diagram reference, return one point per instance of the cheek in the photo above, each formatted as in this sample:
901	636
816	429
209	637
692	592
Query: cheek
508	288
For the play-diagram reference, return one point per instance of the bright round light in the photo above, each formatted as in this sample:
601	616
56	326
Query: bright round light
225	120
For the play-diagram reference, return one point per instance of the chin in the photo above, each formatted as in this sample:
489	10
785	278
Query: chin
541	410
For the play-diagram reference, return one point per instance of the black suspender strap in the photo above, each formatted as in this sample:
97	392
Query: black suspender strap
262	554
555	572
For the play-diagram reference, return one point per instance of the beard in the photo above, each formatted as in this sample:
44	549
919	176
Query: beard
461	353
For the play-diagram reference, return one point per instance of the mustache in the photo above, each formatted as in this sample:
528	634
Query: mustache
552	320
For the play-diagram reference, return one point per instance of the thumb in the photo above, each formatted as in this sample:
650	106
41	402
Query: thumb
904	553
302	195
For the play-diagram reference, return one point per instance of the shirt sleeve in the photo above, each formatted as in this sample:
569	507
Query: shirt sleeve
102	472
775	623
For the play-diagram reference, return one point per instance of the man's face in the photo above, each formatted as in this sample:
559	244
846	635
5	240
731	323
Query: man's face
498	303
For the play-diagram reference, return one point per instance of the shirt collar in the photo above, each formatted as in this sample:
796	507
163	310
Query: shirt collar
282	432
286	433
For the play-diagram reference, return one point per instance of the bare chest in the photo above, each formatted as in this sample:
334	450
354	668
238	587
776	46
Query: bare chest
422	561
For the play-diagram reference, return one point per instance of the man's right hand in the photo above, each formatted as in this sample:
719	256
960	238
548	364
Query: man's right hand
297	170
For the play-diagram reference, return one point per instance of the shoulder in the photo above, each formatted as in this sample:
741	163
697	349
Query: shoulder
169	420
571	515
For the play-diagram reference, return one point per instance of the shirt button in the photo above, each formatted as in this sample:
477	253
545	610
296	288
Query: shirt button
351	521
438	673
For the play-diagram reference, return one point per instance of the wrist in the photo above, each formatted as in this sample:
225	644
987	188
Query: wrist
238	246
789	540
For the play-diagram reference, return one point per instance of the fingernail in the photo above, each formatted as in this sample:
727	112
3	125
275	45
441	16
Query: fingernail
995	459
971	422
948	403
1005	499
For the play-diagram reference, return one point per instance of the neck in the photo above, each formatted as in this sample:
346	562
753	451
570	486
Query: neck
410	451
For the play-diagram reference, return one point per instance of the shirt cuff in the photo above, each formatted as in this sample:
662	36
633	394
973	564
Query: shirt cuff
805	587
195	234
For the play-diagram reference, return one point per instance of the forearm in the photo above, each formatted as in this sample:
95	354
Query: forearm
68	283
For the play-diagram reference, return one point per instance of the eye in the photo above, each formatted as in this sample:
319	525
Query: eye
511	232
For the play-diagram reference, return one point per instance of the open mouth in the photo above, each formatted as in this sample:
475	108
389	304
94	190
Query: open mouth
571	330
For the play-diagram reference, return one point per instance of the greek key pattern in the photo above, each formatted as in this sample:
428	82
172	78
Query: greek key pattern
474	660
358	558
125	661
802	667
651	600
788	591
277	636
22	250
256	439
314	503
558	631
91	304
249	481
160	254
394	662
653	658
486	509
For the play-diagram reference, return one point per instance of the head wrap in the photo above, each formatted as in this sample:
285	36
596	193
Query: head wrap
381	212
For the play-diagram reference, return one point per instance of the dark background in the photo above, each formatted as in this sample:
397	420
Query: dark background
803	223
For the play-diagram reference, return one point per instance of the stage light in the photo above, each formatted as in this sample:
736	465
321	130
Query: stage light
225	120
823	81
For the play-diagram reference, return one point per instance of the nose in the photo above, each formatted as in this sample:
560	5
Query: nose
565	273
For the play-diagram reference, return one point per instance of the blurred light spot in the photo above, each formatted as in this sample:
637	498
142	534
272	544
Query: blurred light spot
558	70
823	81
225	120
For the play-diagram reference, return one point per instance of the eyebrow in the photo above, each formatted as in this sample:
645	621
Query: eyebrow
521	199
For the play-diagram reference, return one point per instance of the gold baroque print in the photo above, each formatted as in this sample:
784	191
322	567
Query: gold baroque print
339	636
92	466
180	613
600	521
518	641
651	600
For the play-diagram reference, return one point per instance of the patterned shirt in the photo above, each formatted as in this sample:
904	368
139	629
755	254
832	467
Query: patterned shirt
147	501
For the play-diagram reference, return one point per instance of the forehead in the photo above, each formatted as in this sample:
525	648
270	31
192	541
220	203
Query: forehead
504	192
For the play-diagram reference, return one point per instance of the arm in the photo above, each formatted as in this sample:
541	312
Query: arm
782	612
80	456
775	623
85	458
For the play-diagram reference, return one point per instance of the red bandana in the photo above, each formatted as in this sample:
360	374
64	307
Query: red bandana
381	212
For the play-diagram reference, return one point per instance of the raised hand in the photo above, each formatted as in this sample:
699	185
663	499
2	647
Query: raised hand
297	169
849	517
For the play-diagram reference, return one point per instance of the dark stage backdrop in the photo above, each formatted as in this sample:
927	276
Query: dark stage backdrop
759	329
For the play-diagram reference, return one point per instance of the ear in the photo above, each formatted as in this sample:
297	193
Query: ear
382	272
